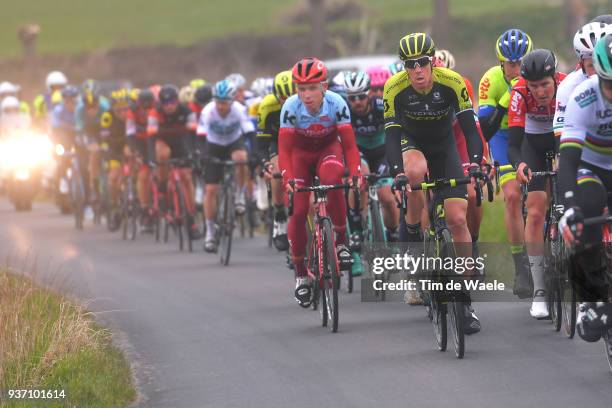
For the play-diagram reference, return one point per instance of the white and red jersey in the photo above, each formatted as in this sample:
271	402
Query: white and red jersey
525	112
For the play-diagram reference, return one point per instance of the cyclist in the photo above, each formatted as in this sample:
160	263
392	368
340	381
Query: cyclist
223	127
64	133
315	136
585	181
44	103
378	77
89	113
201	97
584	42
267	150
530	122
171	124
474	213
421	103
493	99
141	144
369	127
113	135
10	89
242	95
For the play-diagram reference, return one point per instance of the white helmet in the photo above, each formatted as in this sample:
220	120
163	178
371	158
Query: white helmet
10	102
586	38
356	83
262	86
7	88
446	58
56	78
238	79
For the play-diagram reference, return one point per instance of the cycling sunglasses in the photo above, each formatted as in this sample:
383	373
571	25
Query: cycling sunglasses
359	97
418	62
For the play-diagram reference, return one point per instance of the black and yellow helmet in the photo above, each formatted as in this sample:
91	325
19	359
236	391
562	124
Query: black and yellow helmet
416	45
120	98
283	85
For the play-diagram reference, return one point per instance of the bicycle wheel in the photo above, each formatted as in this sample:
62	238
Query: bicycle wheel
607	341
434	304
184	224
568	295
457	323
455	306
226	226
330	273
132	215
553	265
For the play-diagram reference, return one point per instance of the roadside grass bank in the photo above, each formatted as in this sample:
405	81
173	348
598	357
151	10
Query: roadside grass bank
48	342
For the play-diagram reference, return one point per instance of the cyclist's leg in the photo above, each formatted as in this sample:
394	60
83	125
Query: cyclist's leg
330	169
280	215
378	164
302	163
212	177
162	155
142	181
513	217
590	276
415	168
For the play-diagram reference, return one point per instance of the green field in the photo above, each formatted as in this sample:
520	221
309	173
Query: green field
79	25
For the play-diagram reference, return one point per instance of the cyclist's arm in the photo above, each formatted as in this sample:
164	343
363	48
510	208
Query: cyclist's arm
393	129
490	118
516	127
286	138
465	116
572	142
351	152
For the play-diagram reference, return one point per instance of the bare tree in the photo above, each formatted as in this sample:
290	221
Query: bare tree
575	16
317	15
441	22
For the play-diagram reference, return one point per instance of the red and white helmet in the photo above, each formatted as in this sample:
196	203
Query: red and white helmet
309	71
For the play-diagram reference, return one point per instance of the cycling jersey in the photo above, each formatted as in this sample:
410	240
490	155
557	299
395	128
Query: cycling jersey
63	125
531	130
492	87
268	125
172	129
424	120
224	130
564	91
585	164
113	132
90	125
370	127
136	123
196	108
313	133
588	124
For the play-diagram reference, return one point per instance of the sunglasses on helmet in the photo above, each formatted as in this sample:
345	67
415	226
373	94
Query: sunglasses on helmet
417	62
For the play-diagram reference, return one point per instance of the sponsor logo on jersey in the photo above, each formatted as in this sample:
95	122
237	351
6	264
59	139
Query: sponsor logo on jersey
586	98
436	97
484	88
605	129
316	131
602	114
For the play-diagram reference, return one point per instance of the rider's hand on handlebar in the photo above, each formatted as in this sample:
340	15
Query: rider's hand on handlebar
571	225
523	173
400	185
290	186
267	171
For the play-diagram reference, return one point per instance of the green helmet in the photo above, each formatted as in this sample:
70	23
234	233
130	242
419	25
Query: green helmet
602	57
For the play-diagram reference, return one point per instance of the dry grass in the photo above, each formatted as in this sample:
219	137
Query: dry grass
47	339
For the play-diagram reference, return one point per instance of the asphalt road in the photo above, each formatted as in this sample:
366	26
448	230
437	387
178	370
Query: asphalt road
203	335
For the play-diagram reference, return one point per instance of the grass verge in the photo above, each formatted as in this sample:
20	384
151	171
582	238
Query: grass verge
49	342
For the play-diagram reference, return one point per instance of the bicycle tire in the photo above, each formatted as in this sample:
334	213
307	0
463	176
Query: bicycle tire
133	210
607	342
227	226
435	306
568	295
177	220
331	278
312	263
184	218
455	306
555	301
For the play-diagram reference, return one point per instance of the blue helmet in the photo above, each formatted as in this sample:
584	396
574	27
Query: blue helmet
225	90
513	45
70	91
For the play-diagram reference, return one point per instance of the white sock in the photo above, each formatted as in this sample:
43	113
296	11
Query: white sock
210	229
537	272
